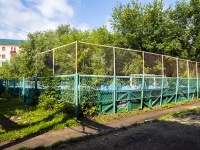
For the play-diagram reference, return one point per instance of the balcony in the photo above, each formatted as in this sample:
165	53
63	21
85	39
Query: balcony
12	52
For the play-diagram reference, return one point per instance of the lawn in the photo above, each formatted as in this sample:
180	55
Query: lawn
18	120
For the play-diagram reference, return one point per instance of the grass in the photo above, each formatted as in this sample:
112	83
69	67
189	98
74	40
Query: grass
181	113
23	120
19	120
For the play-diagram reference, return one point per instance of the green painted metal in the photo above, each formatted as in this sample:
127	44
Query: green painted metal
161	94
142	93
189	89
197	85
23	89
76	96
130	93
114	94
177	89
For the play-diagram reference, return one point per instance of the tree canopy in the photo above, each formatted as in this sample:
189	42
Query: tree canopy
151	27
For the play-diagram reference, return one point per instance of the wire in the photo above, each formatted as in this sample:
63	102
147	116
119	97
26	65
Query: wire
13	27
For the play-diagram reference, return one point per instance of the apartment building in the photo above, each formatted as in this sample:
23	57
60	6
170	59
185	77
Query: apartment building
8	47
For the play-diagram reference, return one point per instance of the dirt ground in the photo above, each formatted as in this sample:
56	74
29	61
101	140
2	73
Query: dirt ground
176	134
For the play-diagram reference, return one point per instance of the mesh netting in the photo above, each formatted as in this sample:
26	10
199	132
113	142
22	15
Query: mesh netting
170	66
93	59
152	64
192	69
45	64
65	60
183	67
128	62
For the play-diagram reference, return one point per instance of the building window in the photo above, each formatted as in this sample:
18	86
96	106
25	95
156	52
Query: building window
11	48
3	48
3	56
14	48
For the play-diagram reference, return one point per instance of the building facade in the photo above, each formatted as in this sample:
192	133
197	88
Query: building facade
8	47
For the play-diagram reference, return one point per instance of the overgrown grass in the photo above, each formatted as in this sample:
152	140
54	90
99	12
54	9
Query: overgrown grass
18	120
181	113
106	118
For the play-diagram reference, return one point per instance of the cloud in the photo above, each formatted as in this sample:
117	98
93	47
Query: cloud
108	23
32	15
54	9
83	26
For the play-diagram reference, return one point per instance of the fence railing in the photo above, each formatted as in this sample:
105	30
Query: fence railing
110	94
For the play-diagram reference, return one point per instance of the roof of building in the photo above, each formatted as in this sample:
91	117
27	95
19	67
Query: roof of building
10	41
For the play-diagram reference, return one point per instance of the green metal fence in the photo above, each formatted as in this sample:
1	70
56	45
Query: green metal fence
114	79
110	94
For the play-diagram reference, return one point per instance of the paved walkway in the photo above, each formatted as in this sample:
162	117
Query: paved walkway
48	138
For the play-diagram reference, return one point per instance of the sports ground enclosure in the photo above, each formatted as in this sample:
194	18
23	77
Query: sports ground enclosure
115	79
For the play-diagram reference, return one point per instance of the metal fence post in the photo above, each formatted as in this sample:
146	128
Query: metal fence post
76	93
23	89
197	76
188	69
76	82
143	82
114	84
177	80
162	83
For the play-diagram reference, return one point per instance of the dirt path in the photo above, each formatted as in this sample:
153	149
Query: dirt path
160	135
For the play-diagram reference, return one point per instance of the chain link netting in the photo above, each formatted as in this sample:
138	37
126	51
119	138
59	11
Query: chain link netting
94	59
45	64
65	60
169	66
192	69
128	62
183	66
152	64
95	89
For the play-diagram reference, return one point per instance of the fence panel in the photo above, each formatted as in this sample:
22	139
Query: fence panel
65	60
152	64
128	62
45	64
95	59
169	66
183	68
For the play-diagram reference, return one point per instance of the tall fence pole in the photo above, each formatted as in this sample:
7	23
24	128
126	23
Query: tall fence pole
188	71
197	76
114	82
162	86
76	82
143	81
23	89
177	80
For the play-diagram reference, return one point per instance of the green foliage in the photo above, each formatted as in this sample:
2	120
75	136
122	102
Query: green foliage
26	120
151	27
49	97
6	94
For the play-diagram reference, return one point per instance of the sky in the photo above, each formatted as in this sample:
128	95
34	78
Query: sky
20	17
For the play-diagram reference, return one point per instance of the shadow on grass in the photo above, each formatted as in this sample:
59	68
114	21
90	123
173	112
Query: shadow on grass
86	124
6	123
